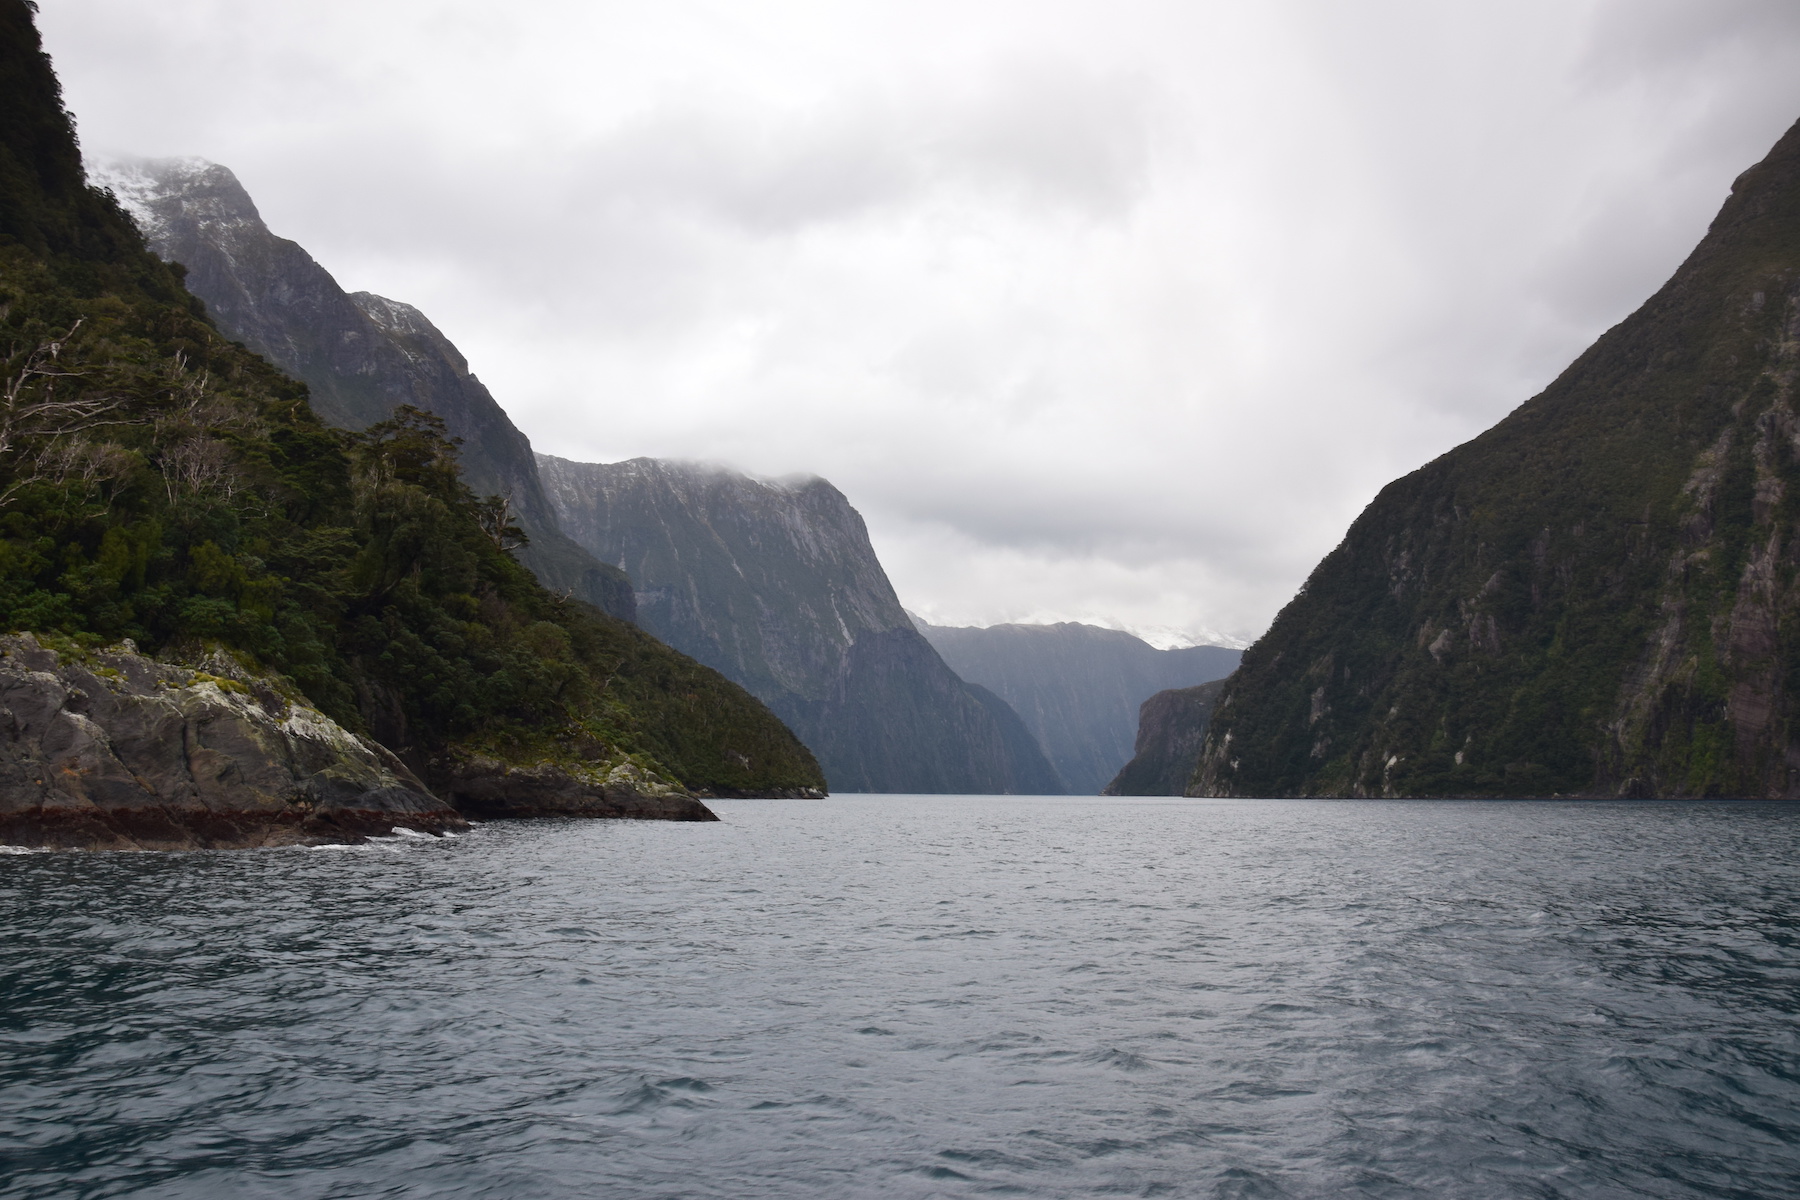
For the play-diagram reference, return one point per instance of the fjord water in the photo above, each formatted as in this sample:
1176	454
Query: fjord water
923	996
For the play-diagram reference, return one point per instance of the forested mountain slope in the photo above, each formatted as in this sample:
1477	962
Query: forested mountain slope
359	354
162	484
1596	597
774	583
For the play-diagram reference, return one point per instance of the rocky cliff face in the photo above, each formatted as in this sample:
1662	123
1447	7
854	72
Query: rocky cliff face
115	750
360	355
1599	596
1077	687
1171	731
775	585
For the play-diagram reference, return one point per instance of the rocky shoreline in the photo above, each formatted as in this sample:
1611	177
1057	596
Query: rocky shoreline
114	750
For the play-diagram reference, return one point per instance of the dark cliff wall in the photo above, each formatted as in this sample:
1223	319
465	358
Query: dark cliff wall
1077	687
775	585
1171	731
360	355
1598	596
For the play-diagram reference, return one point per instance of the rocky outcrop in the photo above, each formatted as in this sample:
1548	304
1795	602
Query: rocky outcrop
114	750
360	355
774	584
1077	687
488	788
1600	596
1171	731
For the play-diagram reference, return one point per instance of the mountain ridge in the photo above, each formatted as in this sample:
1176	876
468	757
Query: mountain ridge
1077	687
1597	596
218	600
359	354
775	584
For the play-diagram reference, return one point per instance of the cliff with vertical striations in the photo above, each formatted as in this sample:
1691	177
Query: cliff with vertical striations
774	584
1171	732
1599	596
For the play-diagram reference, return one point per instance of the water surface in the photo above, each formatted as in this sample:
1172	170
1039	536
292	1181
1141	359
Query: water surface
923	996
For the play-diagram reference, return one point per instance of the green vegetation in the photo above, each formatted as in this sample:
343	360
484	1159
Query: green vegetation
1597	596
160	483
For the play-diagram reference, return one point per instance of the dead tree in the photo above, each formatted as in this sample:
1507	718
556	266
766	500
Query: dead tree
199	464
500	523
36	418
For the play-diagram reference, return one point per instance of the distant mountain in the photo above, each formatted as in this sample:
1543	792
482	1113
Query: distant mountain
360	355
774	584
1599	596
1171	730
1077	687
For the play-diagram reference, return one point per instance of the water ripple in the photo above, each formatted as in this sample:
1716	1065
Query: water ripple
923	997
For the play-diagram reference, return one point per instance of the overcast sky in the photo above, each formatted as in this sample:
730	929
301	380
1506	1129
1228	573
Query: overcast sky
1108	311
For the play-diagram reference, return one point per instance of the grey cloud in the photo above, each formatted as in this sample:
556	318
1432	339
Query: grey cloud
752	170
1044	133
1052	130
1631	37
1090	310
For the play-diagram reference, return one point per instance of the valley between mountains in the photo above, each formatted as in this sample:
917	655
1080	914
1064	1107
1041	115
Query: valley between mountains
772	583
282	569
276	566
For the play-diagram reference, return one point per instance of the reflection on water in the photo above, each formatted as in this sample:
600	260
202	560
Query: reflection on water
923	996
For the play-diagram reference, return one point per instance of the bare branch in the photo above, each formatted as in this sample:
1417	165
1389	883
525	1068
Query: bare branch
500	522
199	464
34	420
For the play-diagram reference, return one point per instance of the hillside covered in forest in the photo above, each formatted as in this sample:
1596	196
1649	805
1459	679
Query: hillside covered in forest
163	485
1599	596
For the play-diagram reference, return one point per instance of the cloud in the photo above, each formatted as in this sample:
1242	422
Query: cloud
1099	311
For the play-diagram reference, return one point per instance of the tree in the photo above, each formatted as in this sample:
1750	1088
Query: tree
41	427
500	523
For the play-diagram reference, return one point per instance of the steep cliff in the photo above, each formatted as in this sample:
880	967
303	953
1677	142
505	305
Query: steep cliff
162	484
360	355
1077	687
774	584
1171	731
1598	596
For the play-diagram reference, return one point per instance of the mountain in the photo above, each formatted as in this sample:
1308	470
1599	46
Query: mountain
1596	597
359	354
227	599
1171	731
774	584
1076	686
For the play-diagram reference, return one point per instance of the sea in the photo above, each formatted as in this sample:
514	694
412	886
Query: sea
923	996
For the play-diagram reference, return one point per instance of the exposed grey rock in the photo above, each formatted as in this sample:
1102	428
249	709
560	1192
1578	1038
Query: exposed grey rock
119	751
360	355
774	584
1171	734
1077	687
